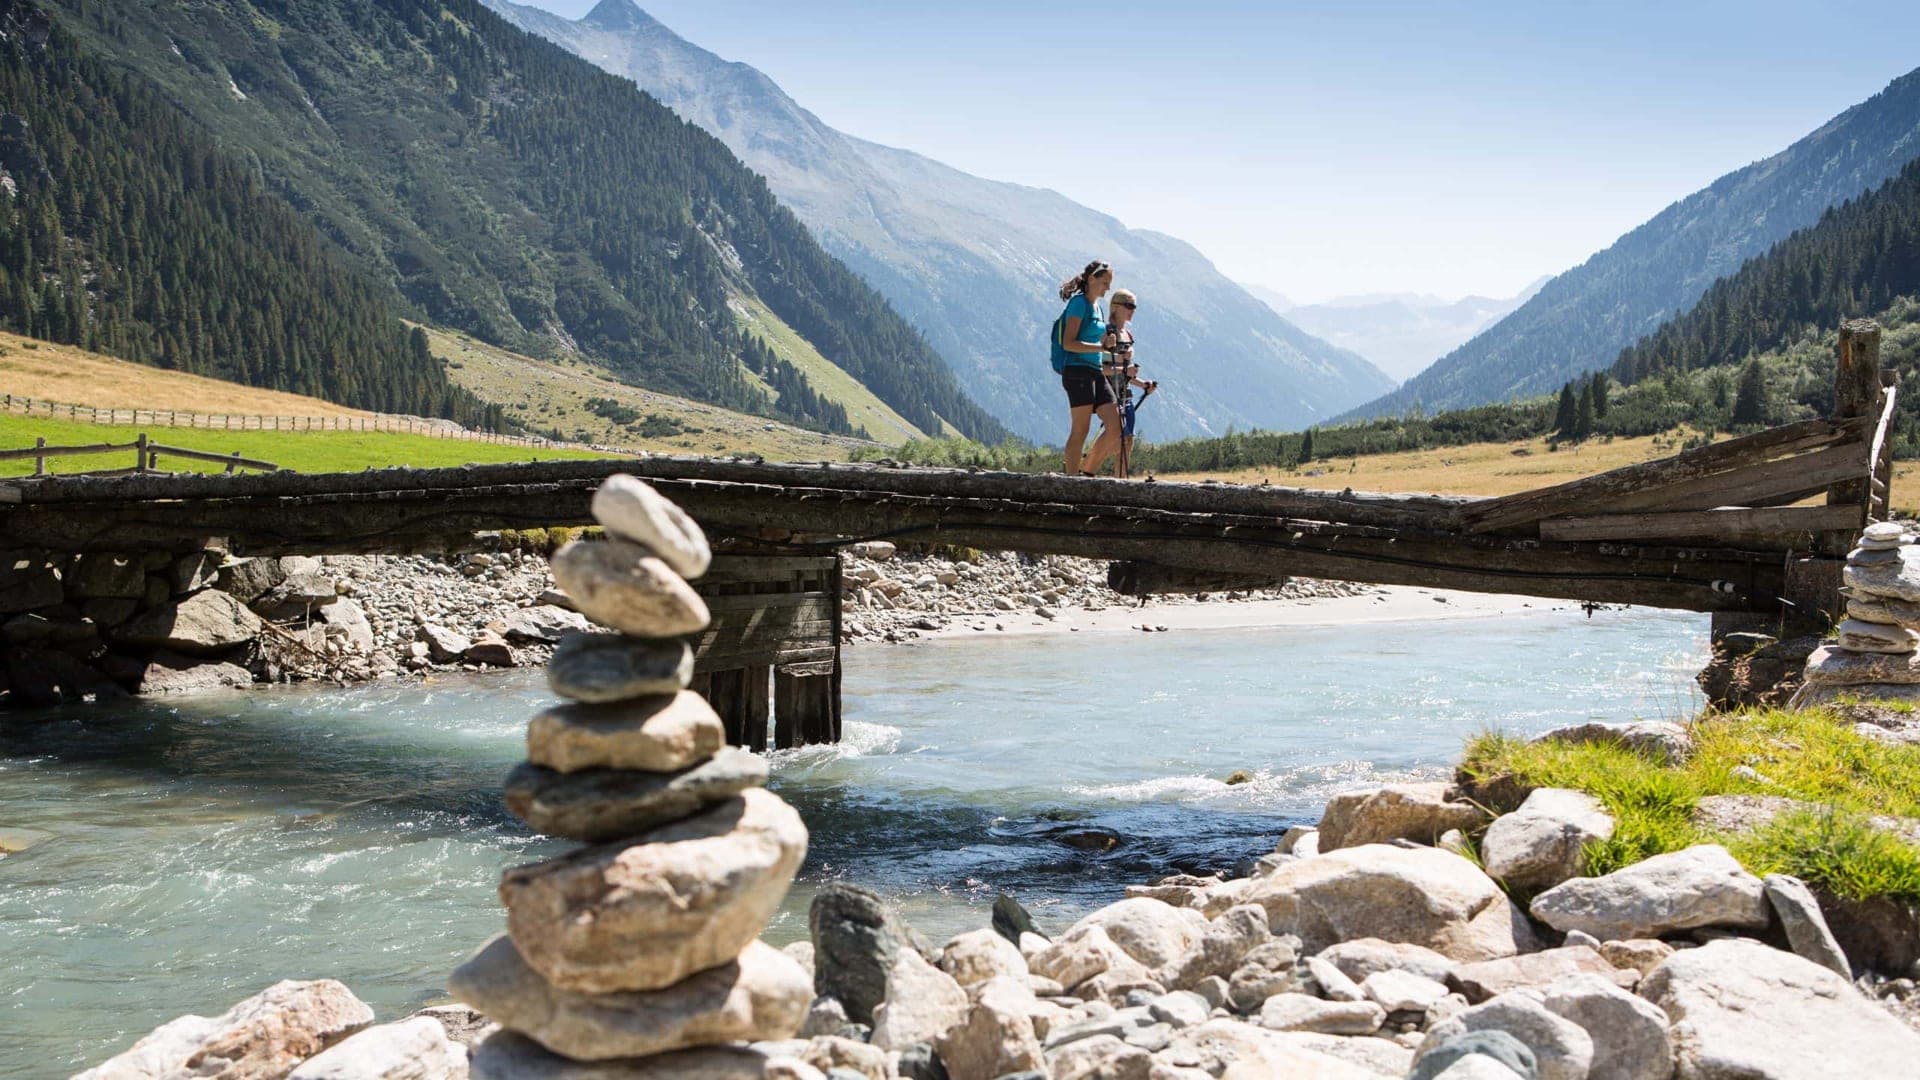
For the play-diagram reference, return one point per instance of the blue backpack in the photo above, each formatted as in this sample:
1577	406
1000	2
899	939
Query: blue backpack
1056	338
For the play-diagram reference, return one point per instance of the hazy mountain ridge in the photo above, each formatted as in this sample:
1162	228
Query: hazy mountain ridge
1402	333
973	263
1582	319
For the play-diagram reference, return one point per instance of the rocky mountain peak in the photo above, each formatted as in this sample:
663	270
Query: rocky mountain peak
620	15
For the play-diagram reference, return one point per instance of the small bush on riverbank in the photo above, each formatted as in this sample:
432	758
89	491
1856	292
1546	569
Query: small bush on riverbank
1808	755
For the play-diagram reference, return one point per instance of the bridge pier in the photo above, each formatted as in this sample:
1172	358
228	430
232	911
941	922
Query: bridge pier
770	662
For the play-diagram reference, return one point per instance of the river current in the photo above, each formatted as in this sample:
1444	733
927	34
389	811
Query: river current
200	849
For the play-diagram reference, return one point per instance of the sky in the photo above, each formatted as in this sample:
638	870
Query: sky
1334	148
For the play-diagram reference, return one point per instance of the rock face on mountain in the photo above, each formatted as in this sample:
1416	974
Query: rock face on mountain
1581	320
973	262
1402	333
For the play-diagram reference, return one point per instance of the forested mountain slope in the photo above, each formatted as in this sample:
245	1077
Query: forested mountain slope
125	230
974	262
1581	319
502	186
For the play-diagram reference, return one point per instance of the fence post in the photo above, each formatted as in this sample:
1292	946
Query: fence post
140	451
39	460
235	463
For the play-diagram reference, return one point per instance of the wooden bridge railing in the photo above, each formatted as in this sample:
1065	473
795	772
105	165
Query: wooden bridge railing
146	457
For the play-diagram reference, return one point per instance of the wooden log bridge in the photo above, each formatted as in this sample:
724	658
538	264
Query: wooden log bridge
1751	527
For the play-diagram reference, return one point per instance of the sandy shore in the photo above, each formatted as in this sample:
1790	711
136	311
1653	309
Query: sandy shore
1387	604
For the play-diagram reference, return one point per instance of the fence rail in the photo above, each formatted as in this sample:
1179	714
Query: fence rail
372	422
146	457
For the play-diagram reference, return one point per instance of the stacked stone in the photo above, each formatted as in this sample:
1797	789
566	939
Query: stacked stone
639	954
1873	653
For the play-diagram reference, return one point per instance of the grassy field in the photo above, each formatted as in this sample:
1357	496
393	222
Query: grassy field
70	376
315	451
554	394
864	409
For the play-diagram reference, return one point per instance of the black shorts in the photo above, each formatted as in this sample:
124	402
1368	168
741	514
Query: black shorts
1086	386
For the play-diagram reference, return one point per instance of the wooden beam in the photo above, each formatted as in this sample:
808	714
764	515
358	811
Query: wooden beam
1856	393
1135	578
1783	480
757	706
1728	524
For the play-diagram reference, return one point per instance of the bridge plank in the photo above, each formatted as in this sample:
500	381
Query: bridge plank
1729	524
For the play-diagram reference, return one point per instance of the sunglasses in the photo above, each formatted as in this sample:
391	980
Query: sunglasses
1126	305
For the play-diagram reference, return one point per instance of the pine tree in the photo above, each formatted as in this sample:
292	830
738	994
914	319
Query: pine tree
1750	400
1563	416
1306	447
1583	414
1599	395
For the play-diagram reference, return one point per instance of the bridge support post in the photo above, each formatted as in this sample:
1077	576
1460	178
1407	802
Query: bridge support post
770	661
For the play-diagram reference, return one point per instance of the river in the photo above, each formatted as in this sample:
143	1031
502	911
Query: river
200	849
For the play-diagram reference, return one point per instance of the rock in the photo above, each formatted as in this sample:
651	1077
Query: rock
1830	666
1561	1048
922	1004
1491	1045
47	677
1299	840
1862	636
195	571
979	955
829	1053
1491	978
1152	932
206	622
545	623
1103	1057
598	805
297	594
1635	954
1402	991
412	1049
263	1037
996	1037
1543	843
801	952
1422	896
490	649
442	644
1417	812
156	677
99	575
348	615
1806	926
826	1016
105	612
855	940
1360	958
1661	740
1333	983
1241	1051
505	1055
1629	1034
760	995
1181	1008
1384	1057
463	1025
1010	920
247	579
618	585
642	915
1267	970
665	733
1899	580
1681	890
632	510
919	1062
1304	1012
1477	1067
1740	1009
601	668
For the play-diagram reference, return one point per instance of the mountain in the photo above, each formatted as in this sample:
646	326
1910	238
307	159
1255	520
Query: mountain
1581	319
974	263
497	184
1402	333
125	230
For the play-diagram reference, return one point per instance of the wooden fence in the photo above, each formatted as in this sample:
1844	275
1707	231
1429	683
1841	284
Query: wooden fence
146	457
409	425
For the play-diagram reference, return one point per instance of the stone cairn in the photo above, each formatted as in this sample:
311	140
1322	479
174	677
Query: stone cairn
1873	654
639	953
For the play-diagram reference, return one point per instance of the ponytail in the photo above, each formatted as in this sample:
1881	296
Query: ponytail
1078	283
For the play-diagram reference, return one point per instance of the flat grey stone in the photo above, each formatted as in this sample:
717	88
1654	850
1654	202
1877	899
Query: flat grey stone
1806	925
597	805
599	668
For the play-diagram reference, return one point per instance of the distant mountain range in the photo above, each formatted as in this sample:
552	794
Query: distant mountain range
1582	319
973	263
1402	333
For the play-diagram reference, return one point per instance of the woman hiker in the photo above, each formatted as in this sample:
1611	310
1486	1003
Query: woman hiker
1123	374
1080	349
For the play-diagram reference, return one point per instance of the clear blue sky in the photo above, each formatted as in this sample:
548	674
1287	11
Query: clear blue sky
1338	147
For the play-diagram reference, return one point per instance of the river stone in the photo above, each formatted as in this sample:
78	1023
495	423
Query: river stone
1477	1067
1423	896
1383	1056
1084	953
1629	1033
618	585
664	733
855	940
840	1057
1806	927
1417	812
1562	1049
1360	958
645	914
1875	611
1102	1057
1832	666
1222	945
1402	991
545	623
760	995
1662	740
247	579
1740	1009
922	1003
183	676
1883	532
1152	932
1875	637
490	649
1491	978
1242	1051
1681	890
206	622
347	614
260	1038
979	955
1304	1012
505	1055
601	668
413	1049
1544	842
1865	555
1491	1044
1010	920
997	1036
598	805
444	645
1899	580
631	509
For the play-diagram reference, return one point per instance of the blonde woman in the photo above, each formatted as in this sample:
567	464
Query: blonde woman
1080	352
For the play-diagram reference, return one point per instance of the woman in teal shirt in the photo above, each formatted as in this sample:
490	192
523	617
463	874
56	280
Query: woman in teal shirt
1080	348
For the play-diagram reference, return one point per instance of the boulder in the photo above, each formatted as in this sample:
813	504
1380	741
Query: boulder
631	509
600	668
1082	954
1477	1067
413	1049
27	583
833	1052
1832	666
1661	740
347	614
801	952
1402	991
1333	984
263	1037
48	677
1422	896
1266	970
1491	1045
1491	978
1222	945
1544	842
1362	957
464	1026
979	955
194	571
1862	636
922	1003
855	940
996	1037
443	645
665	733
490	649
1102	1057
206	622
1681	890
1561	1048
1417	812
1383	1056
1152	932
1740	1009
619	585
247	579
1629	1033
1806	926
505	1055
1242	1051
178	675
102	575
760	995
645	914
1304	1012
544	623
